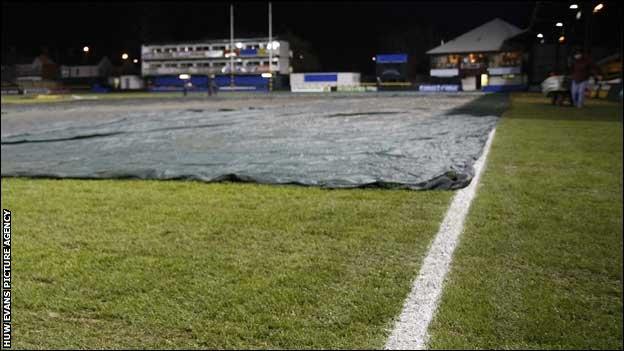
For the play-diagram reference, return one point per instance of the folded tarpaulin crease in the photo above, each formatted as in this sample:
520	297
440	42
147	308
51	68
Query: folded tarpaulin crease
413	142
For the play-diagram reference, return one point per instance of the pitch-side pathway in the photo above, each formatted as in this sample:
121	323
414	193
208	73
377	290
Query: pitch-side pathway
410	331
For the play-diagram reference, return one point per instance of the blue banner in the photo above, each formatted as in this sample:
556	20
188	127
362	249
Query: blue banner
331	77
248	52
392	58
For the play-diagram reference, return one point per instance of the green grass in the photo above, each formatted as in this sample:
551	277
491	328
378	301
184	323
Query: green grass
155	264
539	265
167	264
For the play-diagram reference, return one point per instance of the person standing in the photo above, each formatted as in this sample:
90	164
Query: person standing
582	69
212	85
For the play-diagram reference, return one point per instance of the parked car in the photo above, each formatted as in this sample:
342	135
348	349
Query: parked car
557	88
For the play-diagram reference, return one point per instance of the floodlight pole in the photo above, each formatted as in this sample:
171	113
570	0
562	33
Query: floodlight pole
588	16
271	47
231	45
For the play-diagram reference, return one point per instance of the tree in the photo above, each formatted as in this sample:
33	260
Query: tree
304	57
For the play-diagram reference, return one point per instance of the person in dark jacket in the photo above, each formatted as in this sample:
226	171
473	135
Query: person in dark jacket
212	85
582	69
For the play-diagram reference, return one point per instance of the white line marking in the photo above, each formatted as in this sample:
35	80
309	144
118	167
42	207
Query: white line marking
410	331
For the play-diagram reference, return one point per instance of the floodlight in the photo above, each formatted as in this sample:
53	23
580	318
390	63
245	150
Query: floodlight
598	7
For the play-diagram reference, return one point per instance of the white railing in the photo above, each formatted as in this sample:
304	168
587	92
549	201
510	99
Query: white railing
207	70
182	55
202	54
475	65
505	70
176	70
444	72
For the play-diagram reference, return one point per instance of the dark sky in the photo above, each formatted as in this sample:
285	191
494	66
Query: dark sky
343	34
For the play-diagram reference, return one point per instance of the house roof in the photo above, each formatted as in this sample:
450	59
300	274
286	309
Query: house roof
487	37
45	59
79	60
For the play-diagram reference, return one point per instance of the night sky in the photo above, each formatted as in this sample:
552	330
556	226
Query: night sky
343	35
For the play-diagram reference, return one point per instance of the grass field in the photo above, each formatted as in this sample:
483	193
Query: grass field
539	265
167	264
155	264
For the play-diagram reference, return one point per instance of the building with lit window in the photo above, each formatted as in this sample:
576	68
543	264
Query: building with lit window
243	64
482	59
